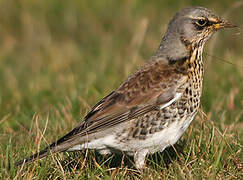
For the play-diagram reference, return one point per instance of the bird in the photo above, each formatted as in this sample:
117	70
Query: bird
155	105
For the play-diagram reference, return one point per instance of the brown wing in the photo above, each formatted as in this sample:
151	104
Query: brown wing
154	84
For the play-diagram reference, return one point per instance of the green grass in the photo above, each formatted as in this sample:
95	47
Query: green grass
58	58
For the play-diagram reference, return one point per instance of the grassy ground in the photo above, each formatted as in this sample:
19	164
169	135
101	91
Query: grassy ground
58	58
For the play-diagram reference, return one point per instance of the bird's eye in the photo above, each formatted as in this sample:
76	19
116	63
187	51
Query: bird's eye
201	22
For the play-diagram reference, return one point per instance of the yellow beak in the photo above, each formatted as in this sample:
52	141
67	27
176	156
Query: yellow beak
224	24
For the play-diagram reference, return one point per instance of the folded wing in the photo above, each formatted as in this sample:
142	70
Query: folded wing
155	85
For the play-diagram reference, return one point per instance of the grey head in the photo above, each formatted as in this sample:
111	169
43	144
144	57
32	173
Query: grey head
190	28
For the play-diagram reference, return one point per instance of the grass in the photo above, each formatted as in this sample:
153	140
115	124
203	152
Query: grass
58	58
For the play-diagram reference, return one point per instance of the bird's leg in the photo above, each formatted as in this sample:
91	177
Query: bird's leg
139	158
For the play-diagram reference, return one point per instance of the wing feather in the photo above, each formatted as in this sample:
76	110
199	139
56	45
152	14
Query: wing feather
142	92
155	85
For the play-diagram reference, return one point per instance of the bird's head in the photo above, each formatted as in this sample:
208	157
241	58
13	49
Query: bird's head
191	26
197	24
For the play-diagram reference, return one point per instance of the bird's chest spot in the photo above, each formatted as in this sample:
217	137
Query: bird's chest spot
192	94
161	139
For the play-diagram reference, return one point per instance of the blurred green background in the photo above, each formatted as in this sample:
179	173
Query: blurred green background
58	58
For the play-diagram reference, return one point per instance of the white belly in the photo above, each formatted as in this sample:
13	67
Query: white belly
154	142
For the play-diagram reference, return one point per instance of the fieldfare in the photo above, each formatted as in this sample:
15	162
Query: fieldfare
154	106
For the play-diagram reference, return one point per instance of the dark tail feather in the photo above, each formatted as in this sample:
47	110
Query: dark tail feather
53	148
39	155
59	146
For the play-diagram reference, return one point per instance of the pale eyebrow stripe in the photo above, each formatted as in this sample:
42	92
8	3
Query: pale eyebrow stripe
201	17
213	20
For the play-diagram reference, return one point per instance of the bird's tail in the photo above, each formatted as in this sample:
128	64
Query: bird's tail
60	145
39	155
51	149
